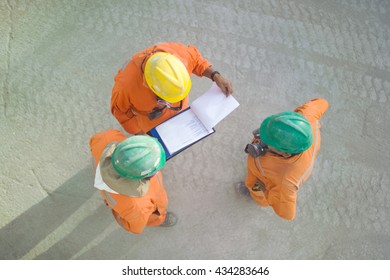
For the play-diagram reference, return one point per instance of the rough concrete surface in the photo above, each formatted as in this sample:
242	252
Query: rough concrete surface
57	63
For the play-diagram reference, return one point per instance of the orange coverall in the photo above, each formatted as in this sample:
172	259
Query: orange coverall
132	100
132	213
282	177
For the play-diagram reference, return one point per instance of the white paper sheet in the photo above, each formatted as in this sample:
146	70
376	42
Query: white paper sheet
181	131
213	106
99	183
198	121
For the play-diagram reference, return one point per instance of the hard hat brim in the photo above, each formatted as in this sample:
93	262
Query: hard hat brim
173	99
120	184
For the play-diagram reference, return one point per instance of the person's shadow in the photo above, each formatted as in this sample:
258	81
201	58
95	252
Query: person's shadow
27	230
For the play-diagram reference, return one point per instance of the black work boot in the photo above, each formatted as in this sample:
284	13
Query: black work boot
170	220
243	190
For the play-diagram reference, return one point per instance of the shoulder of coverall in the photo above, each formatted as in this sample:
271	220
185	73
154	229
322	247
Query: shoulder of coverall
189	55
99	141
106	136
139	58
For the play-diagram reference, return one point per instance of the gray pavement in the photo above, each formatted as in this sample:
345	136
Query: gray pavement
57	63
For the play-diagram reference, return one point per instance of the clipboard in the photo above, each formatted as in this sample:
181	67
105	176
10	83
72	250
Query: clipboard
194	123
154	133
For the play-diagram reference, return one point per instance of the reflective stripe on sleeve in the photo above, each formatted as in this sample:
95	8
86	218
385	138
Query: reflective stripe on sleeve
110	199
312	159
257	160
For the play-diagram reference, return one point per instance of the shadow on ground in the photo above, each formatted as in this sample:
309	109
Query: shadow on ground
35	224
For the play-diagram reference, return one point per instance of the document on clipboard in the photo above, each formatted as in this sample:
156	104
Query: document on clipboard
195	123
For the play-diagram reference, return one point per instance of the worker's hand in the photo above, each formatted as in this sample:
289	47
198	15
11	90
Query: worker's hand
224	84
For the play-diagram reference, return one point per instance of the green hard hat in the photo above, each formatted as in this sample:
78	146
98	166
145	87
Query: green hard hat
138	157
287	132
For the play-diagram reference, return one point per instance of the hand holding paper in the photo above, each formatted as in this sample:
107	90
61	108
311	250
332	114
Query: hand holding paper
213	106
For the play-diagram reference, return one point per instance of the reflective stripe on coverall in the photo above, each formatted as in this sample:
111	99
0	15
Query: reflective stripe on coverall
132	100
282	177
132	213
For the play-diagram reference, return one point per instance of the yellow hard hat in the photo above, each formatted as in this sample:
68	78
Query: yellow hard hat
167	77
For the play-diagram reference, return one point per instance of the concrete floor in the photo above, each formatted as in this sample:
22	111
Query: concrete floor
57	63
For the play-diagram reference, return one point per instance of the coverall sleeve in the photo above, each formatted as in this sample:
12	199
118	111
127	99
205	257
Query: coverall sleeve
199	64
284	201
121	109
314	108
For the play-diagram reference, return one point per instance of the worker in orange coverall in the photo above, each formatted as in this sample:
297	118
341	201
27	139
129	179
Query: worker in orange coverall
281	157
127	172
154	85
